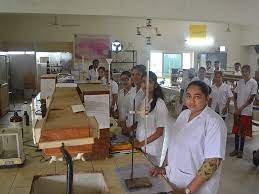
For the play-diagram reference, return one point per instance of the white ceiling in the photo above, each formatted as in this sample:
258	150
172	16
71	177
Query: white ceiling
244	12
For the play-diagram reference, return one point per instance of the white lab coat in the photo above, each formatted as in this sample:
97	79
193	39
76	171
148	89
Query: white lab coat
138	97
191	143
113	90
244	91
93	74
123	101
157	118
219	96
103	80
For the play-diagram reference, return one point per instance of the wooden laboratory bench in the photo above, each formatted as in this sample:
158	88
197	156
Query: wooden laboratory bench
97	93
60	124
109	167
92	89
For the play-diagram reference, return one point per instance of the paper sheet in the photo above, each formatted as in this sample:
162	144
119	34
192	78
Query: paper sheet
78	108
98	106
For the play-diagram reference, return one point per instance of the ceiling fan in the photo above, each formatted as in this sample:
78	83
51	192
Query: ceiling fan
55	23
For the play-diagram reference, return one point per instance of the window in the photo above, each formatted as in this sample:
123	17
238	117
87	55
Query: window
187	60
171	61
156	63
163	63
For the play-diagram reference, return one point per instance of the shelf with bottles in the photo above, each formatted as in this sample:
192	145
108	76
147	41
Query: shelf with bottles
122	58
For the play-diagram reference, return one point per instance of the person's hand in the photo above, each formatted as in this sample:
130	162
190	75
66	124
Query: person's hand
178	191
157	171
138	144
126	131
224	110
237	112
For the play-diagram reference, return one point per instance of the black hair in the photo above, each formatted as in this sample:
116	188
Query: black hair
202	68
96	60
127	73
205	89
246	67
208	61
101	68
158	93
237	63
91	67
140	68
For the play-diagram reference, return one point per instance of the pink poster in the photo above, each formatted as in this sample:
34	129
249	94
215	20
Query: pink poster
92	47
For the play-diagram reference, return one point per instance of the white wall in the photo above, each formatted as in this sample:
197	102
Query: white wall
252	59
228	11
250	35
33	28
250	38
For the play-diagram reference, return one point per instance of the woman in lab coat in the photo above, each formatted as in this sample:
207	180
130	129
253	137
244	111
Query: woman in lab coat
197	145
137	97
101	72
220	96
123	99
156	120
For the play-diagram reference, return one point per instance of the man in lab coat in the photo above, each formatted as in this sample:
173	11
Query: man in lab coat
93	73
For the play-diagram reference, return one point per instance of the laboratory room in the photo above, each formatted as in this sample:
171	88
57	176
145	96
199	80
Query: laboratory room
129	97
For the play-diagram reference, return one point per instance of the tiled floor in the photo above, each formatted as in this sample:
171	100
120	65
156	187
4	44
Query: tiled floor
239	176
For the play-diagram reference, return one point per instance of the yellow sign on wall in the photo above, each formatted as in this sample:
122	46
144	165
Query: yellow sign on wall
197	31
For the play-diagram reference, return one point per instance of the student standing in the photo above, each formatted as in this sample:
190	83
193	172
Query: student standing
237	69
138	94
220	96
217	66
197	146
123	98
209	68
156	120
93	73
201	76
244	95
101	72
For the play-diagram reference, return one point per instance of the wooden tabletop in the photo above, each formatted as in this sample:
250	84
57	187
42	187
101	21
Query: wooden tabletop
93	89
109	166
62	124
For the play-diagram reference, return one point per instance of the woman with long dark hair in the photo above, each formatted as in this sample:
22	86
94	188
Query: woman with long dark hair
157	119
101	72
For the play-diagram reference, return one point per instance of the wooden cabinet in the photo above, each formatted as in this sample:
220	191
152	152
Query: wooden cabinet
4	99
